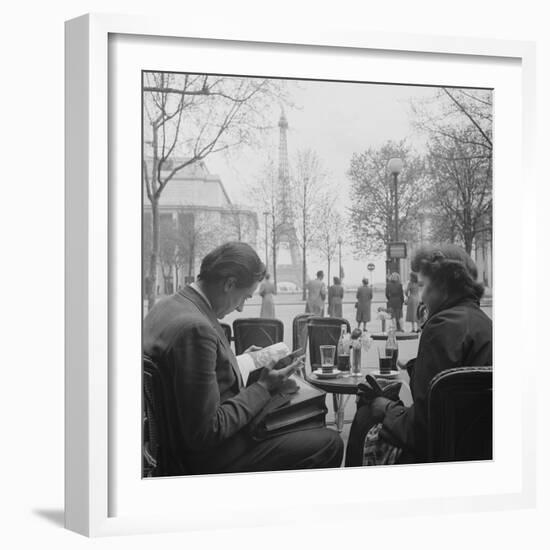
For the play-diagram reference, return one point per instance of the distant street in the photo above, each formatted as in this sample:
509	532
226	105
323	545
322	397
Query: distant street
287	306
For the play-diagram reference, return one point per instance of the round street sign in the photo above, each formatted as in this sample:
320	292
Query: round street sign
370	267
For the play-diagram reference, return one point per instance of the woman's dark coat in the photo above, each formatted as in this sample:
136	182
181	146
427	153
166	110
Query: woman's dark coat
460	334
395	297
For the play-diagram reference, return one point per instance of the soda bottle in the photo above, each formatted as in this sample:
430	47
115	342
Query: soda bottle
392	349
343	348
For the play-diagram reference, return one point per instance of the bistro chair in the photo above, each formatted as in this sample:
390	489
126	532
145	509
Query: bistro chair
460	414
323	331
227	330
299	330
162	455
256	331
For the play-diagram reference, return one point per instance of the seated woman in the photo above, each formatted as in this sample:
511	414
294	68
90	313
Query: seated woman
456	333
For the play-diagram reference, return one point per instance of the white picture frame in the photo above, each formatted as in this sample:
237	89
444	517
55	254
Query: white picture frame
94	487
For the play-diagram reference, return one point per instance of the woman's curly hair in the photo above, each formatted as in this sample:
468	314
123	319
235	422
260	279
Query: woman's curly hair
449	267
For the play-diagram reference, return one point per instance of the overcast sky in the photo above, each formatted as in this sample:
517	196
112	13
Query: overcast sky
336	120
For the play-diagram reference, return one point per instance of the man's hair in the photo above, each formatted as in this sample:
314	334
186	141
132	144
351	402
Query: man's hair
365	281
413	277
320	274
336	280
450	267
232	259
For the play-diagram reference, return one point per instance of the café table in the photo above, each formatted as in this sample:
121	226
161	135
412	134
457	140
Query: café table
398	335
346	385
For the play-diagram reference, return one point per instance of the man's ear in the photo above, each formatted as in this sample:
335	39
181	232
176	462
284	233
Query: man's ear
229	284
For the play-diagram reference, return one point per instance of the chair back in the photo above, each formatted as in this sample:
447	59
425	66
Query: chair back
227	330
299	330
323	331
460	414
256	331
162	452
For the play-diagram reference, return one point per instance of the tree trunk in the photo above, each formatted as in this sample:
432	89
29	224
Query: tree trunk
328	271
468	242
191	261
274	248
304	271
151	298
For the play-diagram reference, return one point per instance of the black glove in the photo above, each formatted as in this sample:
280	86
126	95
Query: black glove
368	391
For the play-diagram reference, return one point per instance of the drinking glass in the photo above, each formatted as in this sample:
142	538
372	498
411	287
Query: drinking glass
327	357
385	365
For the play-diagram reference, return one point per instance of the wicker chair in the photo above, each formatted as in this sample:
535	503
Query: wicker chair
323	331
299	330
256	331
162	452
460	415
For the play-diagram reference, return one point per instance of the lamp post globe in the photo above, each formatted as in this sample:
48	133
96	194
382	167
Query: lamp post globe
395	165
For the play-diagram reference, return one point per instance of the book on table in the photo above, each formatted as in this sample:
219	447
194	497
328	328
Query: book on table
285	413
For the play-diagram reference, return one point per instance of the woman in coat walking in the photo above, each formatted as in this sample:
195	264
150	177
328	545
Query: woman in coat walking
456	333
335	296
412	302
364	298
267	290
394	295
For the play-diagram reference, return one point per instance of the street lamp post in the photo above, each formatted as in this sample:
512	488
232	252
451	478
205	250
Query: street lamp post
395	165
266	214
340	257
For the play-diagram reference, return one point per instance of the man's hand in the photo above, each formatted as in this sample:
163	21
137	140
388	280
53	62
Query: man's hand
378	408
274	380
289	387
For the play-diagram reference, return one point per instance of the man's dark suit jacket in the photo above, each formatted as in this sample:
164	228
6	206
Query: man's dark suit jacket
459	335
183	336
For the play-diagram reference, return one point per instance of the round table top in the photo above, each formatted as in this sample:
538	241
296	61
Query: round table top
398	335
344	384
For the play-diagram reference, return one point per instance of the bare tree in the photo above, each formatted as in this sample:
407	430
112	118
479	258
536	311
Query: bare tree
457	108
236	223
462	186
459	125
310	191
264	193
328	233
168	257
372	211
188	117
199	237
240	223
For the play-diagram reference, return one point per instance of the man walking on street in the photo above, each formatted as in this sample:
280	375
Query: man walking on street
316	293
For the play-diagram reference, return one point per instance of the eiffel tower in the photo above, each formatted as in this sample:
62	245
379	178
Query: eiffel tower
289	259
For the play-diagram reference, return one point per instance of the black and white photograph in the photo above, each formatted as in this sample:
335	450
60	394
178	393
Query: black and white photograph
316	274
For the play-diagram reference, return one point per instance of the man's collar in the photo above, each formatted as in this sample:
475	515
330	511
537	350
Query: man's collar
199	291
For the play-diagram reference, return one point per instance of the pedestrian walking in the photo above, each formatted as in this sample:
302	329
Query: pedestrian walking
267	290
363	304
335	297
394	295
412	301
316	294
